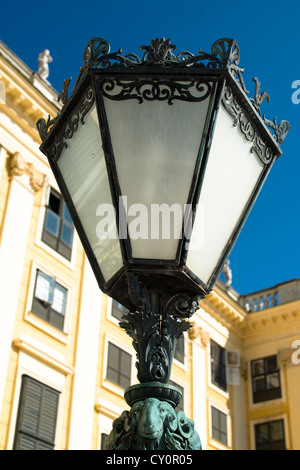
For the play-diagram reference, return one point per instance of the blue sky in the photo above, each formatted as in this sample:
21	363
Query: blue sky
268	34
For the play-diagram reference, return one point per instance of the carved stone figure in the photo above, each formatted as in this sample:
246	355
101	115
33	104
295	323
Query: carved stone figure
17	166
227	274
44	59
152	424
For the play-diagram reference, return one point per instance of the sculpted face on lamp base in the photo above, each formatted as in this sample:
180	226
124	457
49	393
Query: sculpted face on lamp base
153	424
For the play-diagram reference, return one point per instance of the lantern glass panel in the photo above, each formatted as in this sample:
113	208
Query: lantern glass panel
231	177
156	146
82	166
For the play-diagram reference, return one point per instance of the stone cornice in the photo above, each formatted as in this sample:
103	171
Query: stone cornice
27	98
224	309
274	317
232	315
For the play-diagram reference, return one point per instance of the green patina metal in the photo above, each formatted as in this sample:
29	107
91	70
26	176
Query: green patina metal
152	422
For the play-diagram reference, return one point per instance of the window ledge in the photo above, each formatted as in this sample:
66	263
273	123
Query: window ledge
271	402
114	388
219	390
54	254
46	327
218	445
181	365
28	347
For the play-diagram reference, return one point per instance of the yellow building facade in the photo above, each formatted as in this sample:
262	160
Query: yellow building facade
65	362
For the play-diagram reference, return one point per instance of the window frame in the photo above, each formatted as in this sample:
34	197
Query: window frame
267	393
49	315
57	244
107	413
28	381
107	384
109	311
218	429
270	443
119	370
123	310
35	320
176	383
215	365
212	441
51	183
36	360
179	355
103	440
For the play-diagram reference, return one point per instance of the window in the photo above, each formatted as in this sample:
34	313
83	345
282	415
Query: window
118	366
117	310
36	421
104	439
58	226
218	365
180	405
219	425
179	349
270	436
265	379
49	301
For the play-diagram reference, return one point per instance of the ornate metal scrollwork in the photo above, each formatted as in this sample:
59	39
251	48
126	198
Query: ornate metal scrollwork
63	96
95	48
224	56
44	126
138	294
184	306
158	51
259	97
280	130
72	124
228	50
155	333
151	90
247	127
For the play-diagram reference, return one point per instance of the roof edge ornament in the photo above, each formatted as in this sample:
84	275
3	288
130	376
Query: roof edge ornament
224	56
224	53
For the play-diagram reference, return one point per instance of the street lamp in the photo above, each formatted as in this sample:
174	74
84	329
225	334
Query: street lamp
159	160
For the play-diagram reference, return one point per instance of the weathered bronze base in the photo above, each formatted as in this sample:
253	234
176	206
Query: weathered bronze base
152	422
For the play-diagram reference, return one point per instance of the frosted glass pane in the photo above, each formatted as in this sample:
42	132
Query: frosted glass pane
83	168
59	299
231	175
155	146
43	289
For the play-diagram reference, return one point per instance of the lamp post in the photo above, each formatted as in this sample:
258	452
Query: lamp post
159	160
